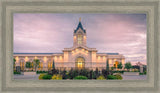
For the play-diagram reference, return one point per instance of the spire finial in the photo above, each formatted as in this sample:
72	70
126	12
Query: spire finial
80	19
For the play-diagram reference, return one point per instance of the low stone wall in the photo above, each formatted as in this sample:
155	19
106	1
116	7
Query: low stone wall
131	73
29	73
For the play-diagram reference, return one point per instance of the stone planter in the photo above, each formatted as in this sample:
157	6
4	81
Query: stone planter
29	73
131	73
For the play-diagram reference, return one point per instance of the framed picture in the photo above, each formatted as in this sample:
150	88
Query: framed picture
79	46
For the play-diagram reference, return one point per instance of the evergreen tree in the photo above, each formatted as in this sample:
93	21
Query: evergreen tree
107	66
128	66
120	65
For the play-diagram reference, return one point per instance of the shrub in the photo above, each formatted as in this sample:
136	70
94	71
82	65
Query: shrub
39	72
84	72
105	73
118	76
64	74
56	77
17	72
53	71
41	76
96	73
140	73
90	75
101	78
145	72
47	76
80	78
111	77
118	72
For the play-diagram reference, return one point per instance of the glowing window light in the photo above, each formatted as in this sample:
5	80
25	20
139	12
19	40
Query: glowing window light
72	51
86	51
99	57
80	39
60	57
45	58
26	58
55	58
104	57
17	58
76	49
84	37
35	57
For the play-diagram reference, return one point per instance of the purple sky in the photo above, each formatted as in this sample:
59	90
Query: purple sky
109	33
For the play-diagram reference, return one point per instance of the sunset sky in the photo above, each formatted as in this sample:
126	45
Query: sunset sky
109	33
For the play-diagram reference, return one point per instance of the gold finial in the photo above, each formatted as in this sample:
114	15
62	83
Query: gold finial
80	19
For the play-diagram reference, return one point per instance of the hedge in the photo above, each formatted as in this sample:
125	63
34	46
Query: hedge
80	78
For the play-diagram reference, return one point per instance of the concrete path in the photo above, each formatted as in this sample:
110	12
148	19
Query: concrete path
32	77
35	77
140	77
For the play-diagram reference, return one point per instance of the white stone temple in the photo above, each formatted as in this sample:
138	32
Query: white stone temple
78	56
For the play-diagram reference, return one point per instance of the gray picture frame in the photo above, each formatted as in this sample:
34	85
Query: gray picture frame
9	7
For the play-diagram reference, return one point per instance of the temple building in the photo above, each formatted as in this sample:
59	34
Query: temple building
78	56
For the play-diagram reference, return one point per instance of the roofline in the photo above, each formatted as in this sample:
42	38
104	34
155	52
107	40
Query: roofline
37	53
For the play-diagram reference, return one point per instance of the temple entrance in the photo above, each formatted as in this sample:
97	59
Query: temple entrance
116	64
80	62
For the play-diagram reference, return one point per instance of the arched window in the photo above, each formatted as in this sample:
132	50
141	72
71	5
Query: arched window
80	62
80	38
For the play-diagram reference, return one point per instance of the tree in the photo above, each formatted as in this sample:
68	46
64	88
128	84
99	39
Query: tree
28	65
14	63
53	65
128	65
36	63
107	66
120	65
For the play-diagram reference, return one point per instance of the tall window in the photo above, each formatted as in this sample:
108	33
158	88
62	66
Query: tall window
80	63
80	38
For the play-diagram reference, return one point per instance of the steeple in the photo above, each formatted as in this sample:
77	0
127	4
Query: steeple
79	35
80	19
79	26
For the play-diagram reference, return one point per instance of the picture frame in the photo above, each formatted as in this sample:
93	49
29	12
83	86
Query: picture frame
149	7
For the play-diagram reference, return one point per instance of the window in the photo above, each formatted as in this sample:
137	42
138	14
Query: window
80	63
80	39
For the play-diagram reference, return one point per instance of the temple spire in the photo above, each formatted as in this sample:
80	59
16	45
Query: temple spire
80	19
80	26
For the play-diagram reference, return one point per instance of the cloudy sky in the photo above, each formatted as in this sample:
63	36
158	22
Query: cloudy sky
109	33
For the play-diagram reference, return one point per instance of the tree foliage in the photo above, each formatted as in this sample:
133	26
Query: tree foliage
107	66
14	61
36	63
128	65
28	65
120	65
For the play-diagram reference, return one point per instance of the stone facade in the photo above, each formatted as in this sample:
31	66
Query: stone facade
79	55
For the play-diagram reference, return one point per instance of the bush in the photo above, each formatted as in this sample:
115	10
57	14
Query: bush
101	78
39	72
53	71
118	76
111	77
118	72
141	73
56	77
41	76
80	78
84	72
17	72
105	73
47	76
64	74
